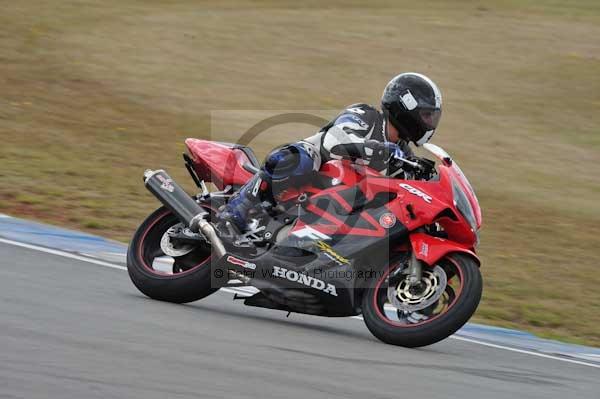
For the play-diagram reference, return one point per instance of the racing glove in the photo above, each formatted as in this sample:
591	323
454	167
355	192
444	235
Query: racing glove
385	150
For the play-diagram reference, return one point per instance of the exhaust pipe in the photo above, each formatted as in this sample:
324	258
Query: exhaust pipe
171	195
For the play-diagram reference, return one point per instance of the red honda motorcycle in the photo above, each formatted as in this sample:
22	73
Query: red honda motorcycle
399	251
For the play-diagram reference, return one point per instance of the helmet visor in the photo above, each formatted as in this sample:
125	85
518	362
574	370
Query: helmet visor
430	117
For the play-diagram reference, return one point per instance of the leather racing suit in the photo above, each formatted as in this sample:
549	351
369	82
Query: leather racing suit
351	134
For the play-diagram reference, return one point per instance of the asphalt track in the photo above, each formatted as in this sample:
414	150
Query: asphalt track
74	329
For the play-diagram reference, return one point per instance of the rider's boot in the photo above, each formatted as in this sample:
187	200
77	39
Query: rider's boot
247	198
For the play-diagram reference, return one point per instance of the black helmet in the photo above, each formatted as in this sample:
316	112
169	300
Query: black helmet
413	104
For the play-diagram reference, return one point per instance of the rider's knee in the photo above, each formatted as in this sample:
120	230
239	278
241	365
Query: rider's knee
290	161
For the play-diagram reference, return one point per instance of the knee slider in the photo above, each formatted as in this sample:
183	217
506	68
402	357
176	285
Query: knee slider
288	161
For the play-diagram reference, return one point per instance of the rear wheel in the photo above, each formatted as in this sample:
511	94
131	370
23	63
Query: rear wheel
182	277
447	297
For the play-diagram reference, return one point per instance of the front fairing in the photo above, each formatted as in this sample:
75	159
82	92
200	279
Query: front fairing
455	174
418	203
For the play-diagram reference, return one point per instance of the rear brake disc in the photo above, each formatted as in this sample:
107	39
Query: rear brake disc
169	248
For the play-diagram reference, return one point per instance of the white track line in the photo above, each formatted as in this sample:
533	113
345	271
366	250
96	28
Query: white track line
62	253
238	291
508	348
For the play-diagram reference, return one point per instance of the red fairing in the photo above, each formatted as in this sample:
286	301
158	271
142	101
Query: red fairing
218	163
417	203
431	249
428	211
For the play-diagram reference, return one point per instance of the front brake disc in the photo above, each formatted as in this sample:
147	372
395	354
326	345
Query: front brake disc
434	284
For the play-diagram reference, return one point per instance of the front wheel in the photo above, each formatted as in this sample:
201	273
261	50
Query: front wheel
184	276
447	297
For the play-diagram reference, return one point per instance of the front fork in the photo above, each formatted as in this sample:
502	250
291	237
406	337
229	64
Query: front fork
415	270
415	266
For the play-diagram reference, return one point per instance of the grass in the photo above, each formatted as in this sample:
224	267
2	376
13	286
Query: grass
92	93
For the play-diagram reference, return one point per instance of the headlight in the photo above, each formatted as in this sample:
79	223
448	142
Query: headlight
461	202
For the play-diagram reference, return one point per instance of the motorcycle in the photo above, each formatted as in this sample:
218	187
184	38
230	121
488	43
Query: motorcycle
398	250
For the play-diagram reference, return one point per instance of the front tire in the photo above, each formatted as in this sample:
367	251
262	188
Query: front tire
429	327
189	278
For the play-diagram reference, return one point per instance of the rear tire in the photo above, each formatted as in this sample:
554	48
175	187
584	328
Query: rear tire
437	328
188	284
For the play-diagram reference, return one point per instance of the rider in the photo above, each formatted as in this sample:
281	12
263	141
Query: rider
411	108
